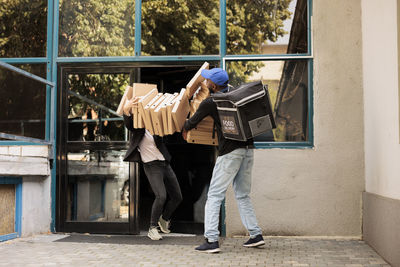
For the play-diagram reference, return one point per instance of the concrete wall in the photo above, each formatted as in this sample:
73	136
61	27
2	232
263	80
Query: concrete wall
380	28
36	205
32	164
318	191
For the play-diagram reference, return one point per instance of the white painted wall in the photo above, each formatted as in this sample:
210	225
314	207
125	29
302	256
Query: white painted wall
381	97
318	191
24	160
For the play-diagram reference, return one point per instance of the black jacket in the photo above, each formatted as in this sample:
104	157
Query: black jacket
136	135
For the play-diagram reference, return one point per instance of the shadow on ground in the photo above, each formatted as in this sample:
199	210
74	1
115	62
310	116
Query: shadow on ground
133	239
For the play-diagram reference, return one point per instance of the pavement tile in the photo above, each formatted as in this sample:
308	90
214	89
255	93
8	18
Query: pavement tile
51	250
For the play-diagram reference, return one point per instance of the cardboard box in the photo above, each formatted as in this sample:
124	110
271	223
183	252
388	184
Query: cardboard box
127	95
180	110
194	83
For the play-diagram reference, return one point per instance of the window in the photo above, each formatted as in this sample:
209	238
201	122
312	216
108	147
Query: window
23	101
274	49
180	27
266	27
287	82
96	28
23	25
255	39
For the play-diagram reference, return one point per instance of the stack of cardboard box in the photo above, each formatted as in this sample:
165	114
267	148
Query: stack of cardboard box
204	132
164	114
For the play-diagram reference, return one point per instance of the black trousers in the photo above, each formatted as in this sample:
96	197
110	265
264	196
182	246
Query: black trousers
163	182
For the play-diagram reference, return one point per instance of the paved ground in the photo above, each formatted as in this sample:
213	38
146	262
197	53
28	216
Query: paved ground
104	250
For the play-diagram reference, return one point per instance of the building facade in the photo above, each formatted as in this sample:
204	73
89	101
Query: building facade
329	169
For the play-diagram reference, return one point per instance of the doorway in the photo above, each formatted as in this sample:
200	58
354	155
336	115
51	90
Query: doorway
97	191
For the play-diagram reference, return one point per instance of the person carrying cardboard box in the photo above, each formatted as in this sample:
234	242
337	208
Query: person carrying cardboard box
233	165
152	152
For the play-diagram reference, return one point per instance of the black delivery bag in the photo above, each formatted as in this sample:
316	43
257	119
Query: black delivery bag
245	111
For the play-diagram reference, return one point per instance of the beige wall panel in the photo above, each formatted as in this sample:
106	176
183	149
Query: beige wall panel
317	192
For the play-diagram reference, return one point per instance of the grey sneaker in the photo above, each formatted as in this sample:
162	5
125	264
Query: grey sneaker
164	225
153	234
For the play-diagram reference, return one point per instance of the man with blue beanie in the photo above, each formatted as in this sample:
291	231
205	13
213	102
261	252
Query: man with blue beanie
234	165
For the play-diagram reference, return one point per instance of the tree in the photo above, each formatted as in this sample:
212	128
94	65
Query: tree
23	25
95	28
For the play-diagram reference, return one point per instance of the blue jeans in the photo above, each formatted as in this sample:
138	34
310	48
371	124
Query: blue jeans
234	167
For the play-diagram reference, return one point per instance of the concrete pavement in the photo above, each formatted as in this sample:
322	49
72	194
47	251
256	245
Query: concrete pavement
106	250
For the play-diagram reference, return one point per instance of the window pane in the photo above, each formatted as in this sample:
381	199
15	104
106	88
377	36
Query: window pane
23	27
23	102
89	117
180	27
266	27
96	28
98	186
288	88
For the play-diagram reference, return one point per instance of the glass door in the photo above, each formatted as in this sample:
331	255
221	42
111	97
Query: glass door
95	184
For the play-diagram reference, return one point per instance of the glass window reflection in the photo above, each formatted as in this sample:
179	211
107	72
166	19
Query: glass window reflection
23	26
98	186
177	27
288	88
96	28
92	99
23	102
266	27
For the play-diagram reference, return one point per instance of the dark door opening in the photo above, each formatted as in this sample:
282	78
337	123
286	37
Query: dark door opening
192	163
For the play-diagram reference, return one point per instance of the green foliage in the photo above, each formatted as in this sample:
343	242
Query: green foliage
104	89
254	22
249	24
23	25
96	28
180	27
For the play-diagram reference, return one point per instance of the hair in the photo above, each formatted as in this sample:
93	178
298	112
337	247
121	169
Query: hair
220	87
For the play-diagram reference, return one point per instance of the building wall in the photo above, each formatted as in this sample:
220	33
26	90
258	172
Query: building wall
382	149
382	146
32	164
318	191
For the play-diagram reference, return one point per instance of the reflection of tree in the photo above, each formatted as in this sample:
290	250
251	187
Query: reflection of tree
105	89
180	27
249	24
169	27
96	28
23	26
23	102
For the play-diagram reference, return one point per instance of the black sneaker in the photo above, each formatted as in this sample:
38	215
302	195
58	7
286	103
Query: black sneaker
209	247
256	241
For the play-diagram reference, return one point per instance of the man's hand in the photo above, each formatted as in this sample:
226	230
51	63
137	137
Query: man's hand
184	134
129	104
